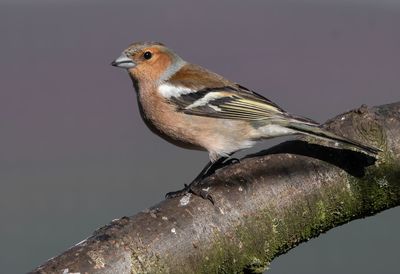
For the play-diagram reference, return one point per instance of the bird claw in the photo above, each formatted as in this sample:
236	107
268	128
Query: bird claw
191	188
178	193
195	186
205	195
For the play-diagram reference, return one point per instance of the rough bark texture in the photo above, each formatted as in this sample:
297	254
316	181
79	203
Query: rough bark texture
265	205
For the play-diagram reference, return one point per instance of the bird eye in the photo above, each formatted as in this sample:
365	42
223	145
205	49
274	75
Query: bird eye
147	55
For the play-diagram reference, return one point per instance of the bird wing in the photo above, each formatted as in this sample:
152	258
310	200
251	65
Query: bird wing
231	102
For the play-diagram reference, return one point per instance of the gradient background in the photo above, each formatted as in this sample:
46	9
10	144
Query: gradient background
74	153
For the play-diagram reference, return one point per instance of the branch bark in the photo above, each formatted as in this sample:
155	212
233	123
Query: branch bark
265	205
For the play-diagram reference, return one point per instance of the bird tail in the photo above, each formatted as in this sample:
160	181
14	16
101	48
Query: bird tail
313	129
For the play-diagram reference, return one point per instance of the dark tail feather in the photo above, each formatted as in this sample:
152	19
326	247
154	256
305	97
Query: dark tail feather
317	131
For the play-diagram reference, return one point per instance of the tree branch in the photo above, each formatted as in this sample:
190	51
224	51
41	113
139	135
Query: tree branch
265	205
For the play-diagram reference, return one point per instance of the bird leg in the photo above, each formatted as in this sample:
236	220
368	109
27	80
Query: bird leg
208	170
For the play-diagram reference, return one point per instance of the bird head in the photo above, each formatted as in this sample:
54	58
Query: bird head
149	61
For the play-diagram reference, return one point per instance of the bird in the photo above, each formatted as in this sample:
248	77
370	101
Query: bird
195	108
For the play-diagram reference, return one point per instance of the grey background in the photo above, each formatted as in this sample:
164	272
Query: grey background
74	153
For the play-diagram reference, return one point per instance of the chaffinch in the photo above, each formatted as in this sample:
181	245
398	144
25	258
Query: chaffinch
195	108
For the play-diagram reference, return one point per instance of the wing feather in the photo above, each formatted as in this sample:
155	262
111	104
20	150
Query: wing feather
228	102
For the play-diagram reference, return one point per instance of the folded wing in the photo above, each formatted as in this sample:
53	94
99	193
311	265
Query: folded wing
231	102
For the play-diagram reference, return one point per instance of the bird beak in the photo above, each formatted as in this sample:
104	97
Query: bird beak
123	62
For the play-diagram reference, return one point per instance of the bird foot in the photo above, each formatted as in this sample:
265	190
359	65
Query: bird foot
194	188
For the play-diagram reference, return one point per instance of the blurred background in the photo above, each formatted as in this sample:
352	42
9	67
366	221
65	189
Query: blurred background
74	153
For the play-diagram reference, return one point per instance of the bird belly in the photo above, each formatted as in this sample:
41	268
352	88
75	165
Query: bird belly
223	137
270	131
